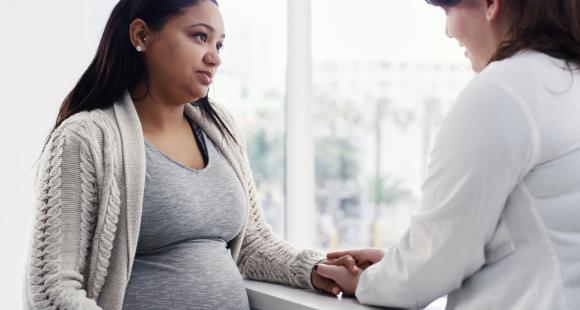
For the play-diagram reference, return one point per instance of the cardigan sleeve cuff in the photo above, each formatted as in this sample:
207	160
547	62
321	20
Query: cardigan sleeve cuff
303	265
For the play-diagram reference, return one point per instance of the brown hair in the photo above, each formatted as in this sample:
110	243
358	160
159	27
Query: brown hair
548	26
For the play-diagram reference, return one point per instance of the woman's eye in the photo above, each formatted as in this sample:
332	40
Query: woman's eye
201	36
219	46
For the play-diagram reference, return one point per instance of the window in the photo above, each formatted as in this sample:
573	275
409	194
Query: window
381	83
375	101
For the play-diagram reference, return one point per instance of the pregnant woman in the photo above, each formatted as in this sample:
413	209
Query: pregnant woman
145	195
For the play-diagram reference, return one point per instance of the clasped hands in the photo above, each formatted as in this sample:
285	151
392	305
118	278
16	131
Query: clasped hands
341	270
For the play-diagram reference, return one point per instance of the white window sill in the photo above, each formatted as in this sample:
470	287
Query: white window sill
266	296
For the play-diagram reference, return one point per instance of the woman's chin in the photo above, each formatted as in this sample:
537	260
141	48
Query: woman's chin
197	93
475	65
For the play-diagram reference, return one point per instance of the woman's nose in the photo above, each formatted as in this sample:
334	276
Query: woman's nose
212	58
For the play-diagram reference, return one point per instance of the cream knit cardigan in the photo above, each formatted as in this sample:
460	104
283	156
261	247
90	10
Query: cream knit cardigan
90	186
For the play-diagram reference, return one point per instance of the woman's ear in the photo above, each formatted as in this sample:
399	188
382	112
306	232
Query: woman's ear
492	8
138	34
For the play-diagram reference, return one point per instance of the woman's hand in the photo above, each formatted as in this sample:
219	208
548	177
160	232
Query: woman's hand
343	268
346	279
323	284
355	259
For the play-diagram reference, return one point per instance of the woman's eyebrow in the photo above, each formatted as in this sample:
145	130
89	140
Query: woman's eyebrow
210	28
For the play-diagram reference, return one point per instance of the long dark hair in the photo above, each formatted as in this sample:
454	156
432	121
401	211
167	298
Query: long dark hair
117	67
550	27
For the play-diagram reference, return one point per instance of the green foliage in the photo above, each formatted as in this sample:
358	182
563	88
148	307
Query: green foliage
335	159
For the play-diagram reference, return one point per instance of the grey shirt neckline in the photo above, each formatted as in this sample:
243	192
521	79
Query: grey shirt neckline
196	171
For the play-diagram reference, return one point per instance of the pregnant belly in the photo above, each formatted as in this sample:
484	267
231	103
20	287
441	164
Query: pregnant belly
190	275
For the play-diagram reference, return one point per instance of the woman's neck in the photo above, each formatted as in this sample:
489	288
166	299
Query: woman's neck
156	112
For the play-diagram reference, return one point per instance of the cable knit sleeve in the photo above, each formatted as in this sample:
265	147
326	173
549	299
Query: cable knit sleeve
263	255
67	196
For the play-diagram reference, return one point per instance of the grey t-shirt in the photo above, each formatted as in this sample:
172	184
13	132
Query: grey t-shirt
188	217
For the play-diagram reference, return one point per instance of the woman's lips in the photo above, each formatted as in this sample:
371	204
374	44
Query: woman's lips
206	77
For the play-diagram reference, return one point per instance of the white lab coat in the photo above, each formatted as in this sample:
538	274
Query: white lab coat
499	222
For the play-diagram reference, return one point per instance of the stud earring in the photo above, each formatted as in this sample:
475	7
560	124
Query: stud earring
139	48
